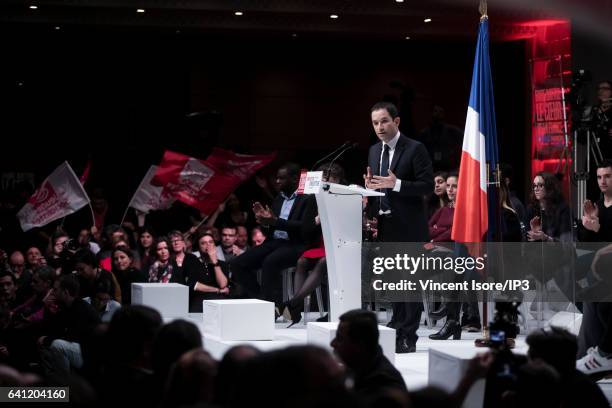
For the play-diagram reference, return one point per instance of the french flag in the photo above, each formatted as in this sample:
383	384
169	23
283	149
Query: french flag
479	157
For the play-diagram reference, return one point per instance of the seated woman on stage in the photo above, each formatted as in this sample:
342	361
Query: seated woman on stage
210	281
438	199
550	221
312	265
440	227
550	217
441	222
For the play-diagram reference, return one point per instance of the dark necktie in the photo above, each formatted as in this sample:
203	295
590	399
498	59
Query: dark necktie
384	172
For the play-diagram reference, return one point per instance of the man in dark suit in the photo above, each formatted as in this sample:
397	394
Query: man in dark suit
291	230
401	168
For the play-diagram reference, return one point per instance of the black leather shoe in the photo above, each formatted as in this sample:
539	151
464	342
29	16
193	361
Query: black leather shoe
450	328
440	313
295	313
403	346
324	318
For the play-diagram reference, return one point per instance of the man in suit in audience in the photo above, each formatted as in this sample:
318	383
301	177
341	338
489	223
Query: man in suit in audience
401	168
291	229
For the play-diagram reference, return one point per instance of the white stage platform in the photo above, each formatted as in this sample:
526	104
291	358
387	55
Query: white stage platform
414	367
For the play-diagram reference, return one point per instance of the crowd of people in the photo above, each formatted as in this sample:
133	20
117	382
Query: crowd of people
66	313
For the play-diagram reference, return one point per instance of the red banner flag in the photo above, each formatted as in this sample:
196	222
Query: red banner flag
204	184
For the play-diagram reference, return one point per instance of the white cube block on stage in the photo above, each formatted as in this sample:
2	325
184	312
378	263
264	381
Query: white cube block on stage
239	319
169	299
321	334
447	367
568	320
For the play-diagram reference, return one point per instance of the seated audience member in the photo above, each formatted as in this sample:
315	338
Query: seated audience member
110	235
8	290
127	378
125	272
441	222
242	238
146	247
550	221
33	258
548	214
173	339
60	349
210	281
596	329
438	199
257	236
356	343
232	213
24	276
304	376
56	253
232	366
185	263
291	221
163	269
228	249
88	271
32	310
102	300
85	241
558	347
191	381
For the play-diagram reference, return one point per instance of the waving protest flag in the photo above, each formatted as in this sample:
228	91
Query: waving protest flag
149	197
61	194
474	211
204	184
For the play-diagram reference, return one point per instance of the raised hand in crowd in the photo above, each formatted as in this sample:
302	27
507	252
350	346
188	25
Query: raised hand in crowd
590	216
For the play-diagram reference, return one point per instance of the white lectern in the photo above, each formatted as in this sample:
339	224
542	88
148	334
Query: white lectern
340	211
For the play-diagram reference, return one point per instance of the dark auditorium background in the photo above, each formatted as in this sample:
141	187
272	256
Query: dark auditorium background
97	80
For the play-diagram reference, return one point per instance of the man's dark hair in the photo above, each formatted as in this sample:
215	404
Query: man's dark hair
229	226
70	284
104	285
388	106
174	339
131	333
362	328
555	346
293	169
604	164
84	255
46	273
9	274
